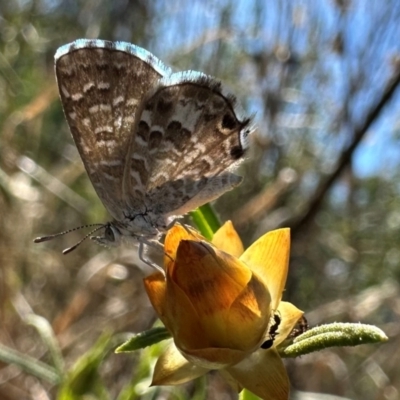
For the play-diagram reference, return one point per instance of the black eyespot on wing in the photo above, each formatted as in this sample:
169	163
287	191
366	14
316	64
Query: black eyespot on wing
237	152
228	122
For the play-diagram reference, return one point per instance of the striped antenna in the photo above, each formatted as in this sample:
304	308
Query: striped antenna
69	249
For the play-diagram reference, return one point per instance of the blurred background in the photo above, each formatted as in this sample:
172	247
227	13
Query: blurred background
320	77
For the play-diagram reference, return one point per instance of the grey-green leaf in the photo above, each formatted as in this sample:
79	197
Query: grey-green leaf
333	335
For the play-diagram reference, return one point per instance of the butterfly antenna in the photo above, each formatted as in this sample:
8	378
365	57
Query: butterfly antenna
69	249
41	239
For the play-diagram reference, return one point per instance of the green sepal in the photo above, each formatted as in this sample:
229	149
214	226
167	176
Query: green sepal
144	339
206	220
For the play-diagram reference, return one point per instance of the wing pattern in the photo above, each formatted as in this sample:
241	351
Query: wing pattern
101	85
154	144
193	133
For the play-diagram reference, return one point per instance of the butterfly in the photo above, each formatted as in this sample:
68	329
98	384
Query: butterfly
155	144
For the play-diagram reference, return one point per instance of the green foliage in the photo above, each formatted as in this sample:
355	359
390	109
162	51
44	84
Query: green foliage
29	365
83	379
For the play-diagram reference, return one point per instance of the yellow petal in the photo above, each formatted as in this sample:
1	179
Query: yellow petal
214	358
269	258
173	369
289	315
232	382
264	374
172	240
227	239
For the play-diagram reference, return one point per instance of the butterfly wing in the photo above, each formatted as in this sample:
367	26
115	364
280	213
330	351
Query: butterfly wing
191	132
101	85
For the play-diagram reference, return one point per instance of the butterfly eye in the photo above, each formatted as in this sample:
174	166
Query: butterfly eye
109	234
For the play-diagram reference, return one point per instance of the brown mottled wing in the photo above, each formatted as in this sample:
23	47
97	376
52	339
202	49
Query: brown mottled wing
194	133
101	85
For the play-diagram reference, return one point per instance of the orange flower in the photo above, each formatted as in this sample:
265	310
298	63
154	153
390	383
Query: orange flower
218	303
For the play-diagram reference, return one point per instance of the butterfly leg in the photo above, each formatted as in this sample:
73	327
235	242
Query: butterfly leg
190	230
142	243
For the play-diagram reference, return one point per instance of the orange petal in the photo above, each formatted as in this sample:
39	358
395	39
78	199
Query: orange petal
175	311
173	369
269	258
264	374
182	320
227	239
289	315
212	280
209	277
155	288
173	238
249	316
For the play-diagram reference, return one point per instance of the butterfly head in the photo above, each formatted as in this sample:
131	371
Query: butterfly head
130	229
112	236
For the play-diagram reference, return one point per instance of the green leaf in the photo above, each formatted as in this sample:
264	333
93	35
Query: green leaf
49	338
30	365
247	395
144	339
139	386
333	335
206	220
83	378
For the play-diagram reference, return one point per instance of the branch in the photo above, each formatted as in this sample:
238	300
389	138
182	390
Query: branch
318	197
